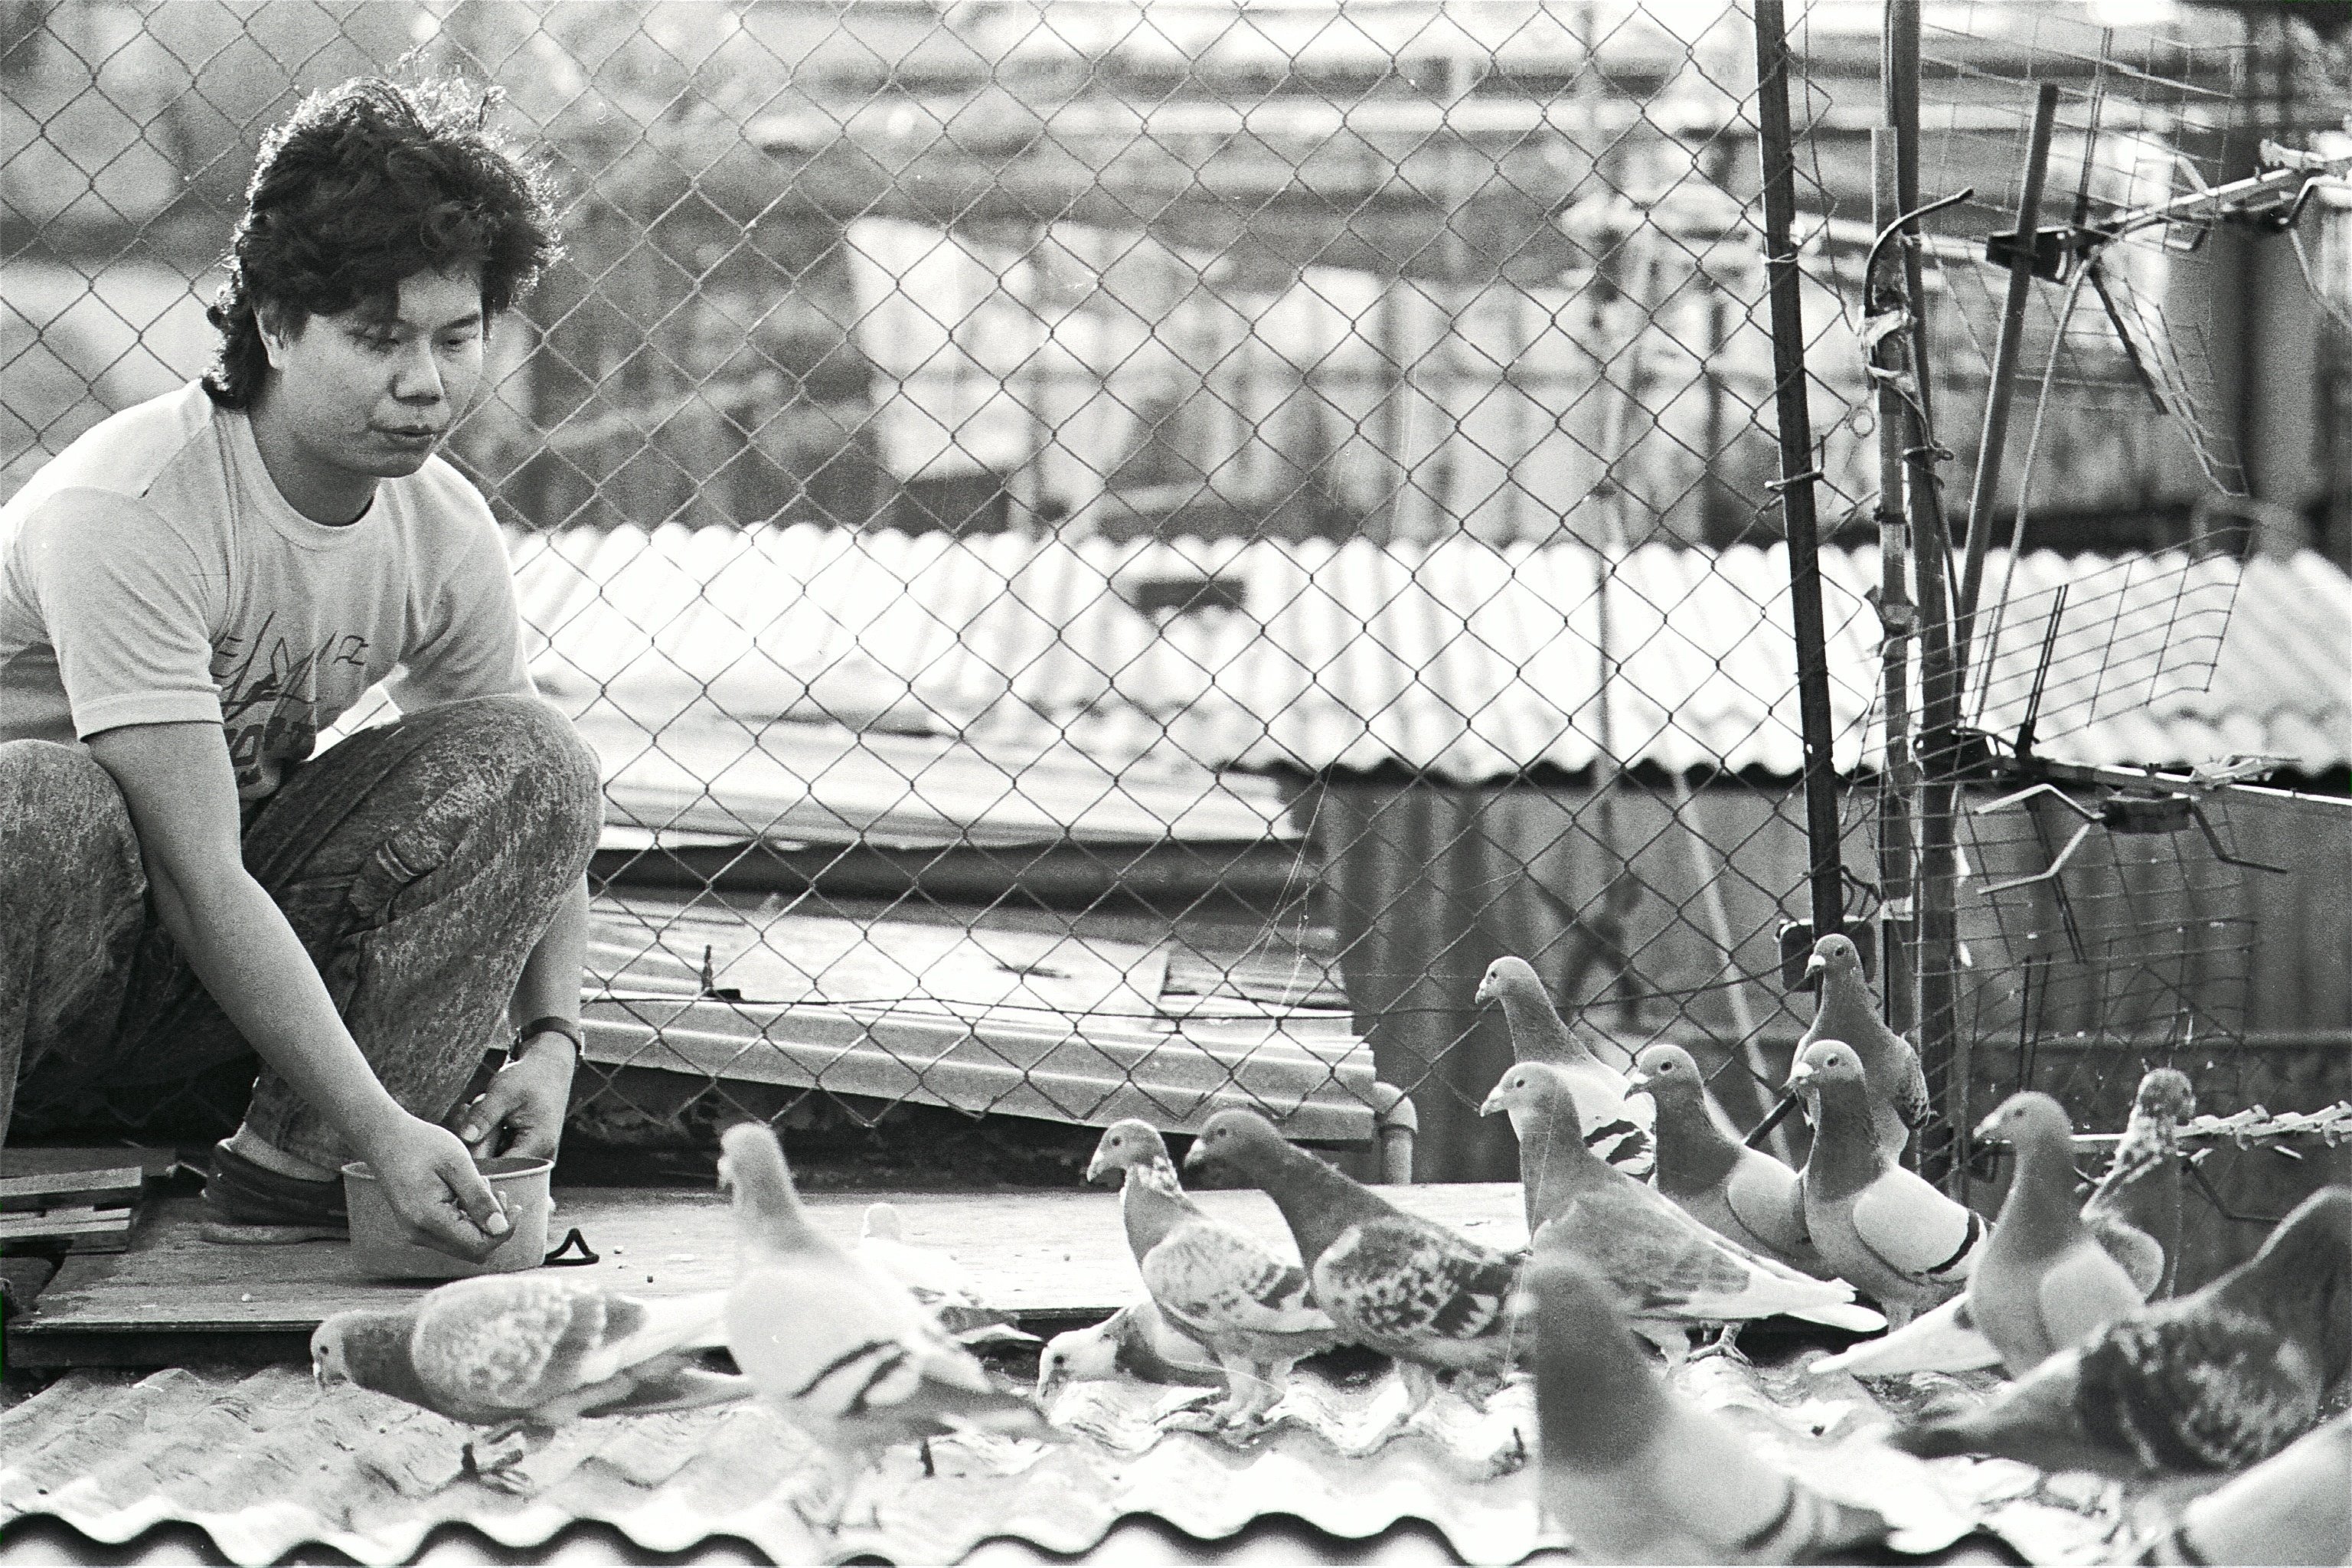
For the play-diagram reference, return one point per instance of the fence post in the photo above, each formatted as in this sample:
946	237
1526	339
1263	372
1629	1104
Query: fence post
1942	1048
1798	470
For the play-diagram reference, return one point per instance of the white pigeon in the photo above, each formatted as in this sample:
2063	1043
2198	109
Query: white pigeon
943	1286
1621	1129
1137	1342
833	1344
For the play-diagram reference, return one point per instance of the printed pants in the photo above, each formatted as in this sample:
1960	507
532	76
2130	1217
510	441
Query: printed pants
419	863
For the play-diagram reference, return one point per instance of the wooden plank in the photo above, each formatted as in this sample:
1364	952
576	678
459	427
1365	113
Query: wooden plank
1032	1253
38	1160
66	1189
81	1219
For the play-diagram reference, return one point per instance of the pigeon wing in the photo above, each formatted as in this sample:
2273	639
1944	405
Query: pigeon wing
2082	1291
1913	1103
1213	1279
1763	1196
1655	1257
1392	1279
511	1342
2203	1391
1911	1228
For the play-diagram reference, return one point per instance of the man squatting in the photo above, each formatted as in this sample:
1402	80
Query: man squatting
195	589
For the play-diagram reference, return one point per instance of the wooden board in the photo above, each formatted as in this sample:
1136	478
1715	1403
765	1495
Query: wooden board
63	1189
1035	1254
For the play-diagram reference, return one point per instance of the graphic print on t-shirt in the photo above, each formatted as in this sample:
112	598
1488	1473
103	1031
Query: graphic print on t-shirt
269	706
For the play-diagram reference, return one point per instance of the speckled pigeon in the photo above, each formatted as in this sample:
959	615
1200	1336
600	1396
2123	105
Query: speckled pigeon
1887	1233
2135	1210
526	1354
2043	1281
2207	1383
1670	1272
2294	1508
1847	1012
834	1344
1621	1129
1632	1472
1733	1190
1430	1298
1249	1309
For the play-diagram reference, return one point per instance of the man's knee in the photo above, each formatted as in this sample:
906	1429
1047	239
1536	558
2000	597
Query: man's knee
554	786
58	807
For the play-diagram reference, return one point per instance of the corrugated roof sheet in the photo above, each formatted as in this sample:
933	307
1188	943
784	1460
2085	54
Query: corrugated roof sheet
1465	658
1069	1026
266	1463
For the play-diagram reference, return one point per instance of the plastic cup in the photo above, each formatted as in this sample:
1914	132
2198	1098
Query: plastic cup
381	1248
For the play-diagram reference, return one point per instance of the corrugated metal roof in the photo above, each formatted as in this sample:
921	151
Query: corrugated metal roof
266	1463
1065	1025
1465	658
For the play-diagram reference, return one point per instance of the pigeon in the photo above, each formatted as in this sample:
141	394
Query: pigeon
1137	1342
1886	1232
1733	1190
2090	1276
1621	1131
2295	1507
834	1344
2043	1281
2136	1208
2210	1383
1430	1298
1632	1472
527	1353
1249	1309
1848	1013
935	1279
1668	1271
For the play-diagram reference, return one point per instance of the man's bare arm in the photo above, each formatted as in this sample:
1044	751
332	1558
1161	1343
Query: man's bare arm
182	792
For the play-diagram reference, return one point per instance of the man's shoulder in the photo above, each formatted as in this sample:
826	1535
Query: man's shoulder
126	454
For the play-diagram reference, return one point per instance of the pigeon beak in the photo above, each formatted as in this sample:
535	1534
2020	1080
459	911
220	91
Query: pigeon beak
1641	1083
1493	1103
1984	1132
1800	1076
1196	1156
1096	1169
1815	965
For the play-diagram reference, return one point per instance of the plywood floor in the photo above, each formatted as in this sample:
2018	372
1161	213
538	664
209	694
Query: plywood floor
1033	1253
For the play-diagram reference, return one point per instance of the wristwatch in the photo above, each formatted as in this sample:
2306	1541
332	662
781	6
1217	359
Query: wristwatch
551	1025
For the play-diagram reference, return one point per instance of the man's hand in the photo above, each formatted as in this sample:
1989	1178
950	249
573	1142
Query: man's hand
527	1098
443	1202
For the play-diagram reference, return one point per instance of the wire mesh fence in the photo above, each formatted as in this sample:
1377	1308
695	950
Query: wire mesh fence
1115	556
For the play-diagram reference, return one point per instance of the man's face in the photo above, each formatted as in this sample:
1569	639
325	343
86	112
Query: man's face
365	395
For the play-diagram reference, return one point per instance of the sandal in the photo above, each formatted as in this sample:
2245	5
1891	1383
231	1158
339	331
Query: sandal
247	1205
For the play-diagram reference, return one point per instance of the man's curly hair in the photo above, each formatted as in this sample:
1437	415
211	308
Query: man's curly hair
362	186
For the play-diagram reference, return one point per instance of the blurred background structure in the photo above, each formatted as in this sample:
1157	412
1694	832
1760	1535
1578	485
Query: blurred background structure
1117	555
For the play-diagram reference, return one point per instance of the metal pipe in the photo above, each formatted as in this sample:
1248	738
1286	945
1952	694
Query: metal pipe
1942	1044
1794	416
1898	781
1994	440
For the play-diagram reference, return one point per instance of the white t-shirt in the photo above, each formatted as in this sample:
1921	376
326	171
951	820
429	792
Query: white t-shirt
151	572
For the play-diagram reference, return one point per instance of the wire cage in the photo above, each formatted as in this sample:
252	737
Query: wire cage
1115	556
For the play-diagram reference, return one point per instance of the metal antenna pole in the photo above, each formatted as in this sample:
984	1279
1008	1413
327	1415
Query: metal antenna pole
1798	471
1990	445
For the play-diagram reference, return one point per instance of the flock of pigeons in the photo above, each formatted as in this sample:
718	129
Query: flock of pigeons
2111	1374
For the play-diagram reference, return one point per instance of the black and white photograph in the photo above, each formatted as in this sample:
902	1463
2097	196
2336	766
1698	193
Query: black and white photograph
1175	782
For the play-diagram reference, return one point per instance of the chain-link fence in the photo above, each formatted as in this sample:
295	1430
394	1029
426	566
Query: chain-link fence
1115	556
